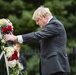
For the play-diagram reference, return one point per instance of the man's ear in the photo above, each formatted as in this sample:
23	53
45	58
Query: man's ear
44	16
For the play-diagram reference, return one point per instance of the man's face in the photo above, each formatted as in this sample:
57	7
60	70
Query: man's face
41	22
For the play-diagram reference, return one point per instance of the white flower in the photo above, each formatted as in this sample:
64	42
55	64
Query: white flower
9	51
12	63
3	41
20	66
3	22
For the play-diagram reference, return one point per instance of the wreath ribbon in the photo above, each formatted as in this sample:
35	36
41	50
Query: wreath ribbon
1	55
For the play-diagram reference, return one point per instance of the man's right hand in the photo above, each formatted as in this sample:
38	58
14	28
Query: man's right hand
10	37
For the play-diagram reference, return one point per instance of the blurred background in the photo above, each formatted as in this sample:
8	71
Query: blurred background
20	14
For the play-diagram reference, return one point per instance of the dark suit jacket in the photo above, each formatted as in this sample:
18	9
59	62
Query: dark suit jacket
52	46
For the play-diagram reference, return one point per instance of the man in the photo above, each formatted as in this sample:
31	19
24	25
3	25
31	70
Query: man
52	38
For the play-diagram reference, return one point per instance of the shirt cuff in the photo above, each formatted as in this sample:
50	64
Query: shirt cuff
20	39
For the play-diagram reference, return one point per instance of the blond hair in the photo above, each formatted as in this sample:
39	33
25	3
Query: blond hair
41	11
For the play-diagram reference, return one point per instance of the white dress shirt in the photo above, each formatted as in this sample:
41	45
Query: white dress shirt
20	39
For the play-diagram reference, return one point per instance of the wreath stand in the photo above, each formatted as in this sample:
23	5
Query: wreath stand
1	55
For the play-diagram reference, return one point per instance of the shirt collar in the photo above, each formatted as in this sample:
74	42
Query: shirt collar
49	19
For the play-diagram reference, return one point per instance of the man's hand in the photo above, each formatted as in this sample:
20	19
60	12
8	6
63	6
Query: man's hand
10	37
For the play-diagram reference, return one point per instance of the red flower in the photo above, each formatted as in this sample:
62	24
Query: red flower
7	29
14	56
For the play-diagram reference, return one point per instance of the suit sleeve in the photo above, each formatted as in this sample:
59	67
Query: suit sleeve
50	30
